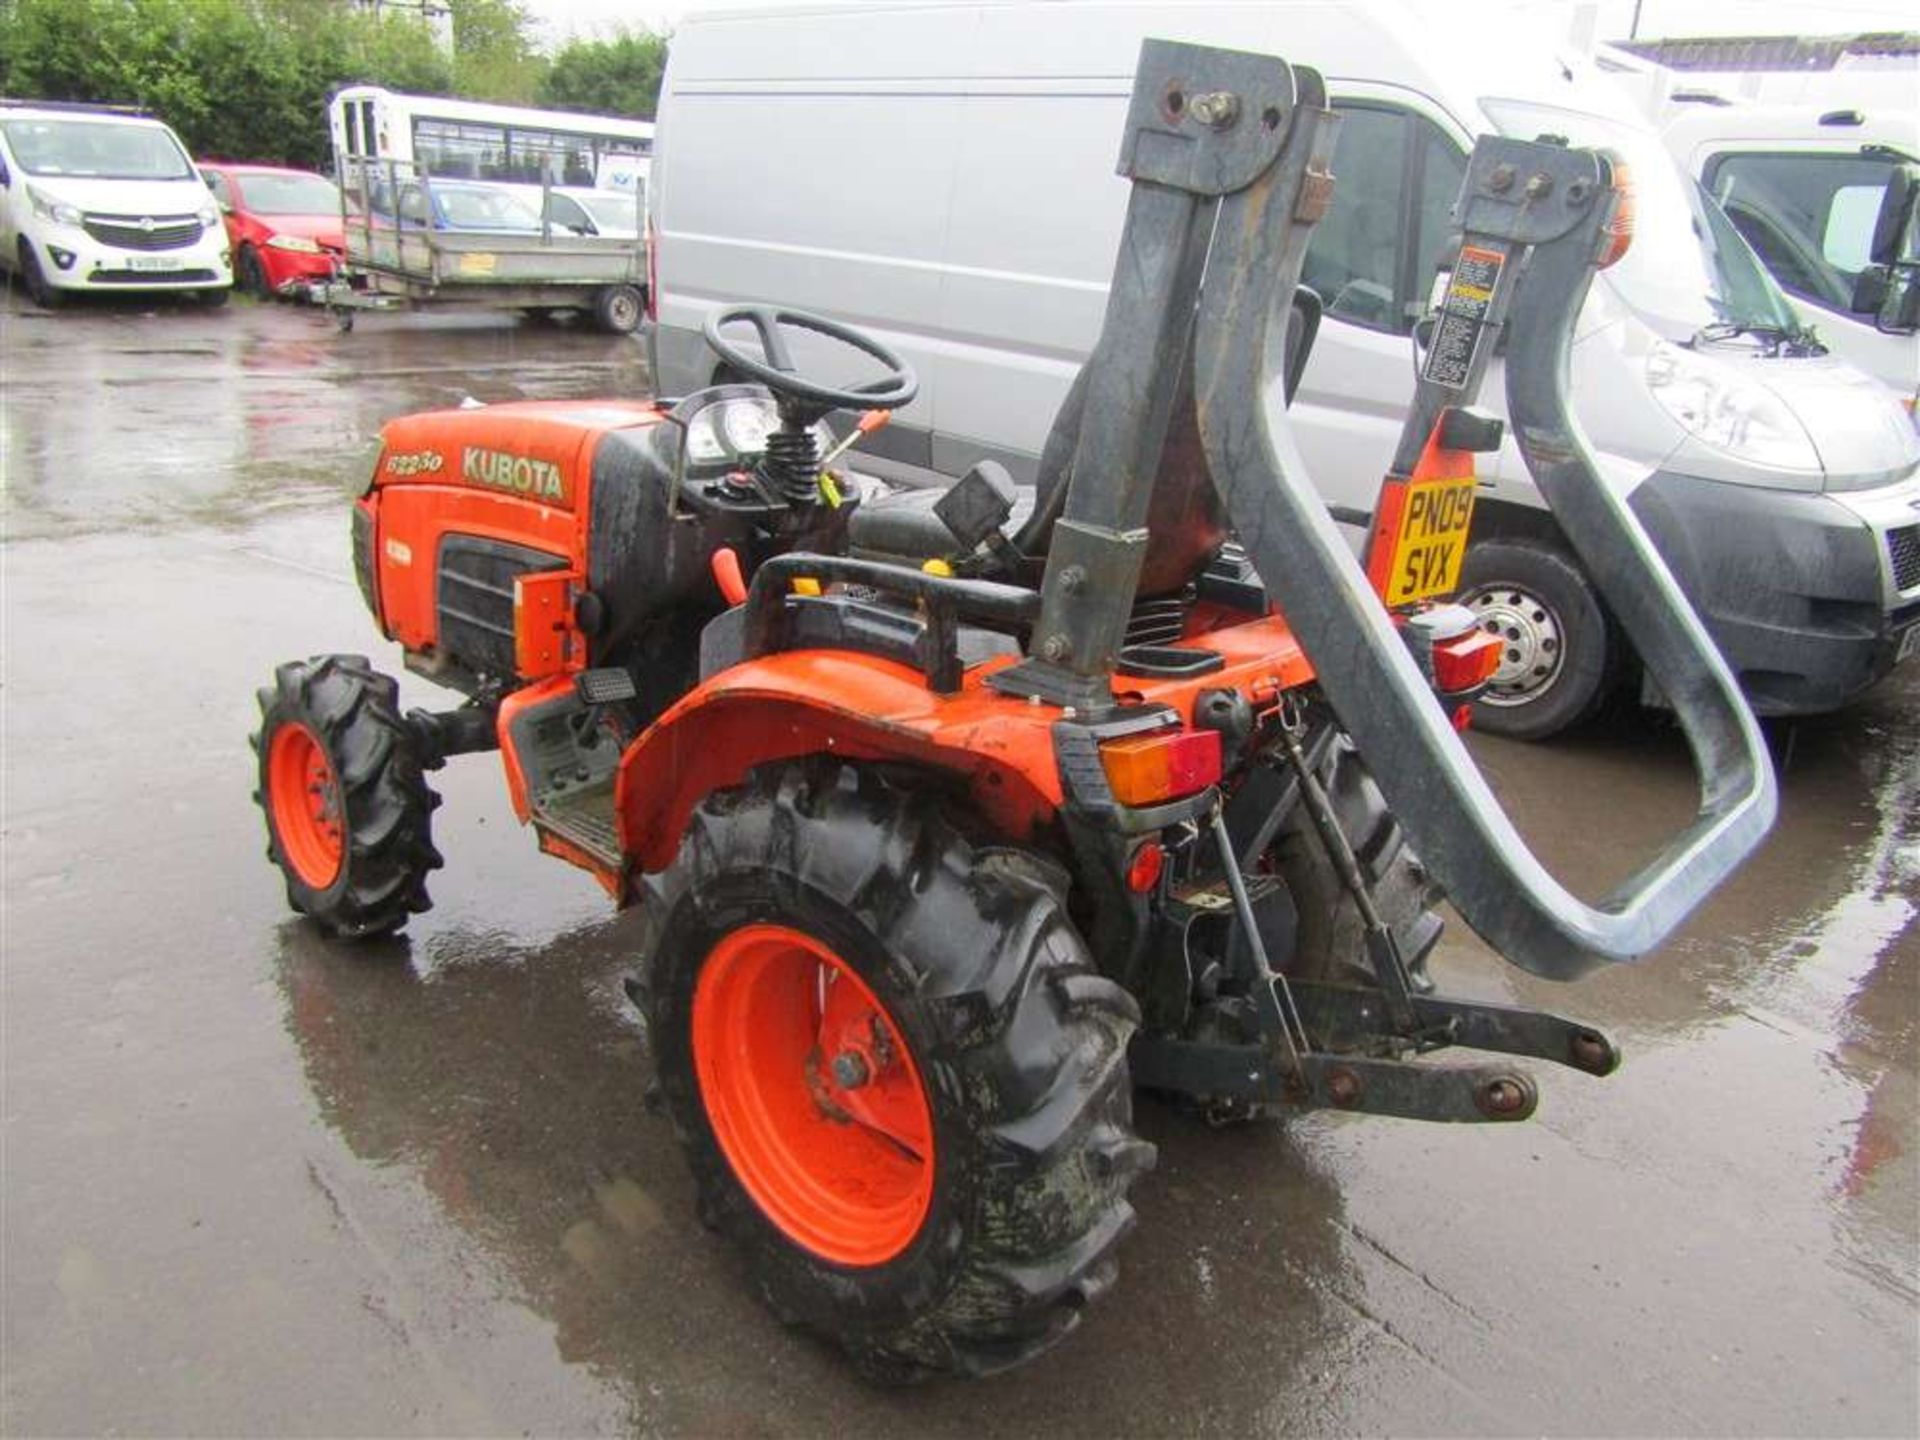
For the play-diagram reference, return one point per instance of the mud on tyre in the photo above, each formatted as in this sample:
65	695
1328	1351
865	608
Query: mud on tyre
347	807
1002	1057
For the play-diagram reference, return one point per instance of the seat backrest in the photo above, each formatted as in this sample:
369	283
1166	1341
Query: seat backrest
1185	524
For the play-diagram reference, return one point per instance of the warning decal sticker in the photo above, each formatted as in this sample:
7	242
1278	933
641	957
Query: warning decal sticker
1463	316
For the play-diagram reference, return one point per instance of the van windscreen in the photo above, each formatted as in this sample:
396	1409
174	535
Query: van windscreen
96	149
1688	268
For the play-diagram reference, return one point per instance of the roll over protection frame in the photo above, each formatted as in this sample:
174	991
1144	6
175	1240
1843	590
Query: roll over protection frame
1228	154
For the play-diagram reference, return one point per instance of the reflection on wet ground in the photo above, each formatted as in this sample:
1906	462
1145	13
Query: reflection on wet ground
257	1183
181	417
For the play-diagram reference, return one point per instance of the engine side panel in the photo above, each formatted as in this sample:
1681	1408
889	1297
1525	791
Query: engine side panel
463	501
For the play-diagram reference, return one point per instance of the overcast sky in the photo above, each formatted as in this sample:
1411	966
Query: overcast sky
565	18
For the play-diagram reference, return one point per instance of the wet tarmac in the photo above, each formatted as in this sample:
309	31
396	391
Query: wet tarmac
258	1184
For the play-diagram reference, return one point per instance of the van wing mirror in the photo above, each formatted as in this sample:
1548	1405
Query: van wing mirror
1893	229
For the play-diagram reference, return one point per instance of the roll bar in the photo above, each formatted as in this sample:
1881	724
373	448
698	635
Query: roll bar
1233	148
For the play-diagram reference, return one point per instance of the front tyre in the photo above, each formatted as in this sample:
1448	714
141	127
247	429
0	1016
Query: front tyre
348	811
901	1086
39	289
1558	646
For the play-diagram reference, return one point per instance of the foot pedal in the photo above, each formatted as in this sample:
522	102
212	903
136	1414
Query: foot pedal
604	687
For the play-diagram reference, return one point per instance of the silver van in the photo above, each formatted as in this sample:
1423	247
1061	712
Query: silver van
957	224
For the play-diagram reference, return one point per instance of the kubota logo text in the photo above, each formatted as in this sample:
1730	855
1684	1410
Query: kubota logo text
536	479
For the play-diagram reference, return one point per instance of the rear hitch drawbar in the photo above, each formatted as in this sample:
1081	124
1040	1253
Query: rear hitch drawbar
1350	1061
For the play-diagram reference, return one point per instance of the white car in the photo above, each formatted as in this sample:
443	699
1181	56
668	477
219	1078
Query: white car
103	200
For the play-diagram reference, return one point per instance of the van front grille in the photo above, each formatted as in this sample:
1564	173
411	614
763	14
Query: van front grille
144	232
1903	549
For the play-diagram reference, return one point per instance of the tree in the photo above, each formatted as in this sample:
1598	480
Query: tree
238	79
616	76
494	57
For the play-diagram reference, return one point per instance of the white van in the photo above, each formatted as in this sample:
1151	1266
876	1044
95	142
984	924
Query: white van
103	200
942	175
1804	186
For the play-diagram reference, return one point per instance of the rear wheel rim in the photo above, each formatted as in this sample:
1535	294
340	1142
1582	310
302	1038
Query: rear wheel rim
308	814
813	1095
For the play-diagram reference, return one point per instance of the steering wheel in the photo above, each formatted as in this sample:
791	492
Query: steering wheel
776	371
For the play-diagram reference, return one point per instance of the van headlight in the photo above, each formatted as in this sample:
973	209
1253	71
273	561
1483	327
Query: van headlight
208	217
58	211
1713	402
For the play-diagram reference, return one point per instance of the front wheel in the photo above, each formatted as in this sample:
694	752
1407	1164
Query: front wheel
1558	646
250	275
348	810
39	289
901	1086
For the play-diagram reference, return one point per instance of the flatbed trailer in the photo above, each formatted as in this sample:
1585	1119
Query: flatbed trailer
391	264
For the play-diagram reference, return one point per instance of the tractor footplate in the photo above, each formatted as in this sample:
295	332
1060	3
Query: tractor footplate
583	817
1248	1076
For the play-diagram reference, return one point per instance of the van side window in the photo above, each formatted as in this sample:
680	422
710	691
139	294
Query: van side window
217	183
1809	217
1396	176
1354	258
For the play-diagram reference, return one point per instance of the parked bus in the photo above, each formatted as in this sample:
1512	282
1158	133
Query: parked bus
463	139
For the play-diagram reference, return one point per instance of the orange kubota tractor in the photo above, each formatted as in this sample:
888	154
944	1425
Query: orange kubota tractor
950	818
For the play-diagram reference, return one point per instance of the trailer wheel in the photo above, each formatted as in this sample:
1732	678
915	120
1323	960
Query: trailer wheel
348	811
1559	650
617	309
900	1085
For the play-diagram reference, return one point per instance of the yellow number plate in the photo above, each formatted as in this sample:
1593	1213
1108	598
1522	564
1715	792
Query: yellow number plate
1431	539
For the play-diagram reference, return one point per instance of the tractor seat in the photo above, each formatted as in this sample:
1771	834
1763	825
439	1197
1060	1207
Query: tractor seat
901	524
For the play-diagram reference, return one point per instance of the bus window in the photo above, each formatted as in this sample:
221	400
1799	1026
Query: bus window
350	119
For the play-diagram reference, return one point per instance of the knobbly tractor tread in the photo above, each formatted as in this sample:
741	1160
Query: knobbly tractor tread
1023	1048
1331	944
353	710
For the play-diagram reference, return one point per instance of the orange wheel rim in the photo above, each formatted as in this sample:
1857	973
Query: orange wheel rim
308	815
813	1095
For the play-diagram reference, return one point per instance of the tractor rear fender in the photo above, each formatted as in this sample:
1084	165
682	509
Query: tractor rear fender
809	702
1005	752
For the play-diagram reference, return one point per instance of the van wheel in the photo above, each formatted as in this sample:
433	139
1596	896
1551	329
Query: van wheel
1559	646
35	279
214	299
901	1085
618	308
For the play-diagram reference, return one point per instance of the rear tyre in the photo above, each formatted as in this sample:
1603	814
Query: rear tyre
901	1087
1330	934
617	309
39	290
348	811
1559	650
250	275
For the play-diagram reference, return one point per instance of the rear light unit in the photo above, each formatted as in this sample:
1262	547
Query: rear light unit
1150	769
1148	864
1466	663
653	275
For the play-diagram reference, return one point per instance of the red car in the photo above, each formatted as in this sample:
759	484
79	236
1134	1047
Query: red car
284	225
